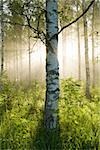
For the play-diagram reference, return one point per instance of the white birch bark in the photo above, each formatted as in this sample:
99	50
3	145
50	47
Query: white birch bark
52	66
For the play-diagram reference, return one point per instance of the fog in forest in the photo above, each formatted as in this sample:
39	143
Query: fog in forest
46	105
25	56
24	61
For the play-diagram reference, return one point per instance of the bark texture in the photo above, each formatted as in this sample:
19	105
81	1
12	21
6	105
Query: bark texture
88	95
52	66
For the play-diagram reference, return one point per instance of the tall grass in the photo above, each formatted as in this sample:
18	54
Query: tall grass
21	118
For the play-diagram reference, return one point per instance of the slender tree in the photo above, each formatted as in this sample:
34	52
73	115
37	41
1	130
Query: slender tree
93	58
52	66
2	38
78	43
29	52
20	52
64	40
88	95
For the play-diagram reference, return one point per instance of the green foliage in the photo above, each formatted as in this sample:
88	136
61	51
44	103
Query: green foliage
20	112
79	117
66	11
21	117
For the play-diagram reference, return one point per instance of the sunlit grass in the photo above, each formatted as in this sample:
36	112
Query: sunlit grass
21	117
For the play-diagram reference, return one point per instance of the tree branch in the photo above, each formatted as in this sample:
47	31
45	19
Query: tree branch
77	18
19	24
39	33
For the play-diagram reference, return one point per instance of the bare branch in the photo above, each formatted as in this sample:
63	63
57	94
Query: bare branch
19	24
39	33
77	17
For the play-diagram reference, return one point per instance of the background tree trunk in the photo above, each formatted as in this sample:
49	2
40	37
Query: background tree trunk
88	95
20	55
64	52
93	59
52	66
78	42
29	52
2	38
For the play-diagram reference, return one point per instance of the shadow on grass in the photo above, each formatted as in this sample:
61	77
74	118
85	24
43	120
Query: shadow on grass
46	139
26	131
2	111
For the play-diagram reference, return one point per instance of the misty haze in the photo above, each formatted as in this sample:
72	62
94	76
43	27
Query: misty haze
49	74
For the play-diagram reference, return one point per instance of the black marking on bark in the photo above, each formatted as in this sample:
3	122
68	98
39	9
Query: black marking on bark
53	91
55	10
53	72
55	36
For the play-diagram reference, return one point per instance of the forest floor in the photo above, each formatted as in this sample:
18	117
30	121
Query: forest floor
21	118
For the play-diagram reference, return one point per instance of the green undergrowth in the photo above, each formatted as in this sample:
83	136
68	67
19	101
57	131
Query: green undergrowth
21	118
79	117
21	110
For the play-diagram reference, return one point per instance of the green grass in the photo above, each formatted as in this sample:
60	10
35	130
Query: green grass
21	117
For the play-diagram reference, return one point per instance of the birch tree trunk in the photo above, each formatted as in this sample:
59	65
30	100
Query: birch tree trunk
93	59
52	66
88	95
78	43
2	38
